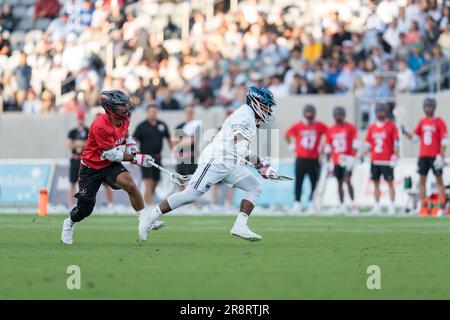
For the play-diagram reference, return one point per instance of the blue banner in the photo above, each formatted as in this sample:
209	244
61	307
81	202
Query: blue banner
20	183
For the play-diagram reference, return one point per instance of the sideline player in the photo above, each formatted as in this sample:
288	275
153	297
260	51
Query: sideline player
76	141
101	161
307	134
341	145
222	161
431	131
382	141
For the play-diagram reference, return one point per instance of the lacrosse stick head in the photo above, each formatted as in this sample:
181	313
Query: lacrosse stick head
280	178
180	179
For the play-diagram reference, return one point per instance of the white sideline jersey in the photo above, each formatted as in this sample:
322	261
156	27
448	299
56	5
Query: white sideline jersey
223	149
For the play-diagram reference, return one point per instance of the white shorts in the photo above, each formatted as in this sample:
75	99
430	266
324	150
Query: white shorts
210	174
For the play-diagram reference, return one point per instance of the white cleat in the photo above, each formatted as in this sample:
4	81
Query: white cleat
339	210
147	222
296	208
375	211
67	232
354	210
311	210
158	225
244	232
391	210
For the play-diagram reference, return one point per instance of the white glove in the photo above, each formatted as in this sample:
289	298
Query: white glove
394	160
131	147
439	162
143	160
291	146
267	171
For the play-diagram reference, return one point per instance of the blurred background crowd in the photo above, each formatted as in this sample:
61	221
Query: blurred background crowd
56	56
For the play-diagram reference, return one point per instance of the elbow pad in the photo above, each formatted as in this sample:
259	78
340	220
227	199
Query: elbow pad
114	155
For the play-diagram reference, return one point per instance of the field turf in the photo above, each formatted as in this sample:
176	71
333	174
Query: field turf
197	258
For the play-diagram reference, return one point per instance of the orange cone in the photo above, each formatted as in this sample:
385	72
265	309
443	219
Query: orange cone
43	202
424	211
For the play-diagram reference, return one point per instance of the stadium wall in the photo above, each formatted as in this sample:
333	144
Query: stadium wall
25	136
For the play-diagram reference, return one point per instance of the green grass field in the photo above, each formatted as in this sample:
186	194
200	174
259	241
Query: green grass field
197	258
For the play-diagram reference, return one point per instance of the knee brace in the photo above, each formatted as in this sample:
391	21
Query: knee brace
83	209
253	193
186	196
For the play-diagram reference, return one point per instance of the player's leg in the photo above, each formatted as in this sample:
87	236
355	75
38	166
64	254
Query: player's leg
441	191
243	179
313	172
74	168
391	208
351	192
375	175
388	174
109	196
202	180
229	199
149	190
299	177
70	195
423	166
126	182
89	182
118	177
150	177
339	174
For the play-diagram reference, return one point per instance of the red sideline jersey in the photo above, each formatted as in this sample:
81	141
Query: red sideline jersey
307	138
431	131
340	139
103	135
382	138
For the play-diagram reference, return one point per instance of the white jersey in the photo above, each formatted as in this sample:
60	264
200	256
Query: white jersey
222	149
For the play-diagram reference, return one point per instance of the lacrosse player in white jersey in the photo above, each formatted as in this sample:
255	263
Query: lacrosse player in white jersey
223	160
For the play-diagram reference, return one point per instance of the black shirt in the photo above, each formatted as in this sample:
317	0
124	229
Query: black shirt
78	134
151	137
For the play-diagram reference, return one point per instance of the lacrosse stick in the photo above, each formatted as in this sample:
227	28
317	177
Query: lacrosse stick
174	177
275	177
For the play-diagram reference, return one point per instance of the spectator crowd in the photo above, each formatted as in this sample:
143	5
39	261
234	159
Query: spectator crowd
371	48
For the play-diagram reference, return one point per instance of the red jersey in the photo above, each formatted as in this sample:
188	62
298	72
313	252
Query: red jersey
431	131
340	139
382	138
307	138
103	135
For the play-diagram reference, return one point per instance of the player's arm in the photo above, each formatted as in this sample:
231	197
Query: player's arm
290	133
365	146
118	154
413	136
243	152
327	146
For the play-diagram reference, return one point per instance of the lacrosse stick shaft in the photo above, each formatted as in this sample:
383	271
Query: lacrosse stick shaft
171	174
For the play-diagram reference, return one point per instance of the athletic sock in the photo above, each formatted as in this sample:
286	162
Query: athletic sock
155	213
139	212
241	219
